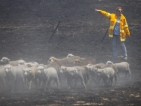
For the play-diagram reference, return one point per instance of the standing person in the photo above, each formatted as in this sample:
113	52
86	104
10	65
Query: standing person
118	30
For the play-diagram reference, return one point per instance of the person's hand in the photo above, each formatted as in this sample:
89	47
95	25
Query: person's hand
97	10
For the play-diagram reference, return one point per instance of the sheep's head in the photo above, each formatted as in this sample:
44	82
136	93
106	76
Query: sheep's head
21	62
99	71
40	69
109	63
63	68
7	68
52	59
26	71
88	66
5	59
69	55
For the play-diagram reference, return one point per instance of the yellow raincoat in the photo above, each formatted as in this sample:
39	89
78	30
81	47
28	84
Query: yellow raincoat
124	30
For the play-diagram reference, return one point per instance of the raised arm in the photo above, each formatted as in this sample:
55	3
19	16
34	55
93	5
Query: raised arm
106	14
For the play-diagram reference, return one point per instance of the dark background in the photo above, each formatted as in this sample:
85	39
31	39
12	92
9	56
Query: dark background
27	25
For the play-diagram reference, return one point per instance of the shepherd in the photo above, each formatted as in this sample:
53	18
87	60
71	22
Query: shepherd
118	30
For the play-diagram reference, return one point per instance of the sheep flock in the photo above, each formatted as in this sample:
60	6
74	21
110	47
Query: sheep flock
70	72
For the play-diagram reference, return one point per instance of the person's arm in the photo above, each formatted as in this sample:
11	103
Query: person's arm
106	14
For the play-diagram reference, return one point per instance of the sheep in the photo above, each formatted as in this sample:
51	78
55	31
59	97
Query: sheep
68	62
108	75
13	74
84	61
92	68
2	78
83	73
64	61
47	75
107	65
75	72
31	64
122	67
70	56
53	59
30	75
69	73
6	60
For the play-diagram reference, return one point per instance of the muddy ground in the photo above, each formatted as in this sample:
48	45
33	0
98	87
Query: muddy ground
26	27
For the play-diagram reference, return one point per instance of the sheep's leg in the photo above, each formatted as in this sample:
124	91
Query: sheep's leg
57	82
48	83
104	81
111	81
13	85
83	82
97	79
115	76
75	80
3	87
26	83
30	84
68	80
125	74
45	85
23	86
87	79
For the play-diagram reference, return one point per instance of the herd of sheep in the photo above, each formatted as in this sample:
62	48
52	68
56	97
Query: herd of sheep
72	70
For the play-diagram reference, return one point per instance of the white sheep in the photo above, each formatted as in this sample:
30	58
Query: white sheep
108	74
6	60
46	75
122	67
74	74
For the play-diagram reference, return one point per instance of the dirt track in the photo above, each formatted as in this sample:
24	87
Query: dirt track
26	26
